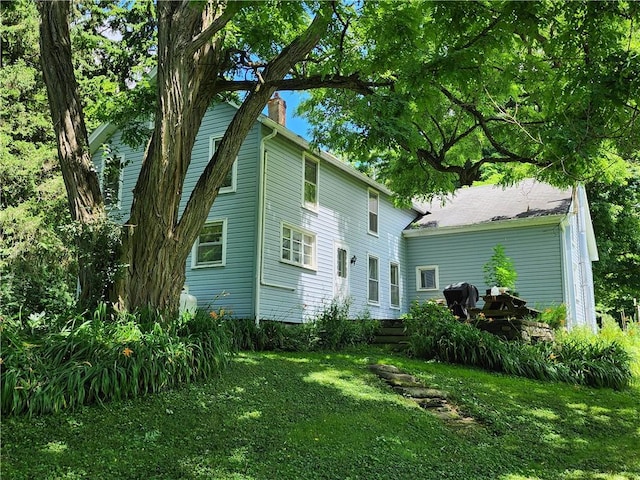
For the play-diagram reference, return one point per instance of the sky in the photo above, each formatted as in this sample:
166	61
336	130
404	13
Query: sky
296	124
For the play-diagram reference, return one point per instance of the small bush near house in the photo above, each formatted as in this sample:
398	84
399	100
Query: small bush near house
337	331
434	333
610	332
332	329
49	365
555	317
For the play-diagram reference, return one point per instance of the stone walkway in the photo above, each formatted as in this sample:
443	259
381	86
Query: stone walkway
431	399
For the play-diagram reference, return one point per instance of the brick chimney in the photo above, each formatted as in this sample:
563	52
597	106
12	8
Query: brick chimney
277	109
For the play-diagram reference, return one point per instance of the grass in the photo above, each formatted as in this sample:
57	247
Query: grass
325	416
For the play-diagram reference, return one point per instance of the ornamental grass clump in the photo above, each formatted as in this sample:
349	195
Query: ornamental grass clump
434	333
87	361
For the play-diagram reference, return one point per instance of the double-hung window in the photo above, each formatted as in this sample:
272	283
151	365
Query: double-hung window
427	278
374	200
310	186
112	180
229	183
210	247
394	284
373	291
298	247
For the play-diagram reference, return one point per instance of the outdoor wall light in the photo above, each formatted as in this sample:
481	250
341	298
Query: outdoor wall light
353	260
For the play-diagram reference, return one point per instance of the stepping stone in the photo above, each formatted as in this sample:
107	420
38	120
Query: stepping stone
384	368
427	403
421	392
394	382
399	377
430	399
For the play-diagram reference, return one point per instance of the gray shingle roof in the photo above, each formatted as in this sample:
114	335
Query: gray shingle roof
491	203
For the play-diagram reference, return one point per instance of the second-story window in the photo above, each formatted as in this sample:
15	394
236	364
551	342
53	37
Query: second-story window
112	180
310	183
229	183
373	212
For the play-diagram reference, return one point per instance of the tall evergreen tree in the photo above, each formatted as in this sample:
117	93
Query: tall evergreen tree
37	267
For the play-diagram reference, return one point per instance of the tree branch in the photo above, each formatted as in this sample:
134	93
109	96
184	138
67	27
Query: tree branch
218	24
351	82
482	122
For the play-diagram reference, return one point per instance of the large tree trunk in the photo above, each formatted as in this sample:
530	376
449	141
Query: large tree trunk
156	240
80	178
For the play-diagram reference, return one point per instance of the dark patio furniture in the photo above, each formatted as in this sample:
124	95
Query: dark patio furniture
461	297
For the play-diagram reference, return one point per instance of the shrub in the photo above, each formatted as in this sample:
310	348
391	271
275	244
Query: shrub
336	330
610	333
87	361
500	270
332	329
434	333
555	317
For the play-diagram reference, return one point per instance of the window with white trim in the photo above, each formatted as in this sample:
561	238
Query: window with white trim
229	183
427	278
394	285
341	263
373	290
298	247
374	200
210	247
112	179
310	187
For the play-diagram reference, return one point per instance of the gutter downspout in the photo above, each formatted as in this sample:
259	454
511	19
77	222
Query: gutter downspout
260	233
262	193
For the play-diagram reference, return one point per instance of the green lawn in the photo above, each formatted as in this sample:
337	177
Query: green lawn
325	416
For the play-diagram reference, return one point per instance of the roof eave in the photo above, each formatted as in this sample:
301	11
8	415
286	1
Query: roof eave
555	219
331	159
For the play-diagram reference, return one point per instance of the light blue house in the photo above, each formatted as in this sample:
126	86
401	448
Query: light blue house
294	228
546	231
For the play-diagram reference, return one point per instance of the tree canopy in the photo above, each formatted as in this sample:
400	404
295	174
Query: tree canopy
502	89
615	210
427	96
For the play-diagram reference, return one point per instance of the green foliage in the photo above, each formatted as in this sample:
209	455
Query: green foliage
555	316
115	88
609	333
540	89
500	270
331	330
325	415
37	258
98	249
436	334
336	330
615	212
49	366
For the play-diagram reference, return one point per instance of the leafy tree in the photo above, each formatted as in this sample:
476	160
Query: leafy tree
615	212
205	51
38	258
545	89
36	263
